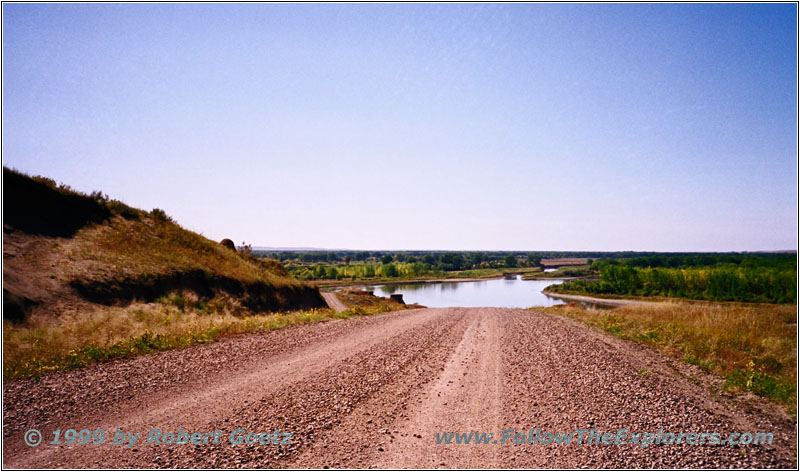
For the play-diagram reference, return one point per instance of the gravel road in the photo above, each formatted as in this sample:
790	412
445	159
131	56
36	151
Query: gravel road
333	301
375	391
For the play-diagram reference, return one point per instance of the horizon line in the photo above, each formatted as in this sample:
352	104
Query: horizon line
319	249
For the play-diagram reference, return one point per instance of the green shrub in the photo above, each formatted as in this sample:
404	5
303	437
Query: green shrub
123	210
761	384
161	216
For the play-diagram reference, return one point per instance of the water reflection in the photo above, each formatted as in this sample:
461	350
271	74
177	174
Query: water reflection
510	292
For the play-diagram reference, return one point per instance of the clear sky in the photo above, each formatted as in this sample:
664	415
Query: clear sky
667	127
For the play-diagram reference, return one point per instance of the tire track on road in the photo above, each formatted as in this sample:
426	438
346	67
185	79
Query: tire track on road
465	397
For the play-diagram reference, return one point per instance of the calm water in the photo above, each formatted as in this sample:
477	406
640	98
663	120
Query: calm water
509	293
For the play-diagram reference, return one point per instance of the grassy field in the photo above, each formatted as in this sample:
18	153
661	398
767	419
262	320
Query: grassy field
753	346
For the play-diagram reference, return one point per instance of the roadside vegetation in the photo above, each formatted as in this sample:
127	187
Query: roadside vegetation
753	346
767	278
44	345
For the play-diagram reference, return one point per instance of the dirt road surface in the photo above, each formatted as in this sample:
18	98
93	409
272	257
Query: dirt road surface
376	391
333	301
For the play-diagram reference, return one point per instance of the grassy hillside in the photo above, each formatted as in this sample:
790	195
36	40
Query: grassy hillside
87	272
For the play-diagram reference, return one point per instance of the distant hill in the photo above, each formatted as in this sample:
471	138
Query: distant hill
64	250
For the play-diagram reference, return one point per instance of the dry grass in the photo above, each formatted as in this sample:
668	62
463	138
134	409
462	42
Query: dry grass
101	238
45	344
753	345
150	246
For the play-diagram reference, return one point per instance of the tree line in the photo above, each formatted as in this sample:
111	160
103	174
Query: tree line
746	278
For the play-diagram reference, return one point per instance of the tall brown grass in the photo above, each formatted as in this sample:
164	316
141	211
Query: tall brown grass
44	344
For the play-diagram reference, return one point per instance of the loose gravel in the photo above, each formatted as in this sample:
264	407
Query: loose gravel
374	391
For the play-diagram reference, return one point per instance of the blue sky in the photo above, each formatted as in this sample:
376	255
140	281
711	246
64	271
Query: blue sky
667	127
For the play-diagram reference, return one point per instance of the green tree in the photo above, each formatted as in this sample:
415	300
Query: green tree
451	261
510	260
476	258
417	268
389	270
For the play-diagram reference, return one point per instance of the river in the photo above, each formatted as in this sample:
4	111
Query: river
510	292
